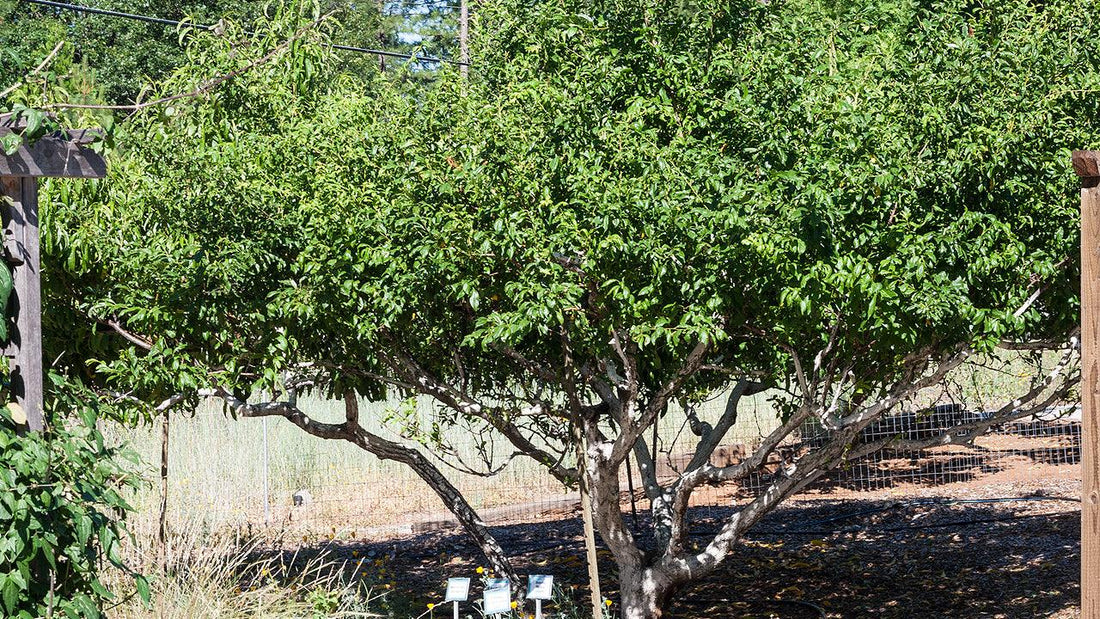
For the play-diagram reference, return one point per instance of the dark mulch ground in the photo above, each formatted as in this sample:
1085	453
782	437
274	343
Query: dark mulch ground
934	552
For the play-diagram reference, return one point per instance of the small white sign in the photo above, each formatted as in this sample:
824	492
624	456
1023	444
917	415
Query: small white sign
497	598
540	587
458	589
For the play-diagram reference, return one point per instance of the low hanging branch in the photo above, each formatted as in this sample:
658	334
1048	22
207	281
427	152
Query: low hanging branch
202	88
352	432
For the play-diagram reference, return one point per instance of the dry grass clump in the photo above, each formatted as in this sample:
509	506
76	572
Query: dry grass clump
199	574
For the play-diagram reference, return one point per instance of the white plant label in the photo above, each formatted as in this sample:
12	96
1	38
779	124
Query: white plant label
540	587
458	589
497	598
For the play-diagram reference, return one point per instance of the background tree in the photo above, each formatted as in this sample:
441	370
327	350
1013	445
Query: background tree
625	206
124	57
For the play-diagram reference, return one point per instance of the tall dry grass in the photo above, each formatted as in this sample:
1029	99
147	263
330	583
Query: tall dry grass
199	573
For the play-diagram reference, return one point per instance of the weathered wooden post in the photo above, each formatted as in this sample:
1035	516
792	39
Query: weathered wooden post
595	594
61	155
1087	166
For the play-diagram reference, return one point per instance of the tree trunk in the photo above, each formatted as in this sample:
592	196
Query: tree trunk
643	592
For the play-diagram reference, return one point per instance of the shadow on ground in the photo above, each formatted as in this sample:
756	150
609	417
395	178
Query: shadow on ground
851	558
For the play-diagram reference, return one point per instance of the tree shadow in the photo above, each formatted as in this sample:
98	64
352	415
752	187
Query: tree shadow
976	561
851	558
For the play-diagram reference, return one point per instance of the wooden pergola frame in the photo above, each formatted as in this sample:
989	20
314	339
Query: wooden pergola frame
61	155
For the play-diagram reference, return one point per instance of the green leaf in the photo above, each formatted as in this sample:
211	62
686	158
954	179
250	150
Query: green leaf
10	143
142	585
9	593
35	122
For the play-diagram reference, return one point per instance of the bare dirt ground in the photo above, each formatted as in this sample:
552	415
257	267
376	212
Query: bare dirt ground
986	547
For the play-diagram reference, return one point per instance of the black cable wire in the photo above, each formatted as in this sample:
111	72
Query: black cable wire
428	4
109	13
170	22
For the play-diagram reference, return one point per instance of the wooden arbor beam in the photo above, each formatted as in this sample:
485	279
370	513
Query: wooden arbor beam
63	155
1087	166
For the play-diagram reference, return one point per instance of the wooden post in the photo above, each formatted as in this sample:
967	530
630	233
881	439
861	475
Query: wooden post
589	526
1087	166
61	155
163	531
464	37
21	247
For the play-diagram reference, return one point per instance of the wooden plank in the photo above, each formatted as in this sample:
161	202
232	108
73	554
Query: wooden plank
66	155
11	189
21	230
1087	165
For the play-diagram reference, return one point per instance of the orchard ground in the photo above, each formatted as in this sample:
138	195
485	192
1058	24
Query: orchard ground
894	537
907	551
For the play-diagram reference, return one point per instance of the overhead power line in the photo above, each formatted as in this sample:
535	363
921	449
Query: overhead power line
95	11
171	22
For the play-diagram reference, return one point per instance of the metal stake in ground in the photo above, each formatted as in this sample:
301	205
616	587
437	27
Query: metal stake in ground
62	155
1087	166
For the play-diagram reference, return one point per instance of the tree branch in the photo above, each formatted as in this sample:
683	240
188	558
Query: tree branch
424	382
903	390
134	339
631	429
202	88
42	65
385	450
965	433
710	441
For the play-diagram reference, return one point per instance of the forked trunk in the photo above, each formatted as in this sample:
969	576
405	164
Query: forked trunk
643	592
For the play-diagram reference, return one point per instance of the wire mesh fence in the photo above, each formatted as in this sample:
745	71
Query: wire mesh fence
1016	451
267	472
247	472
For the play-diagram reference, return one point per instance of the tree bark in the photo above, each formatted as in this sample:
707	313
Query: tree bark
644	592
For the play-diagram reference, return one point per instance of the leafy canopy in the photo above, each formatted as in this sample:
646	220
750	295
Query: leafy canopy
117	58
755	175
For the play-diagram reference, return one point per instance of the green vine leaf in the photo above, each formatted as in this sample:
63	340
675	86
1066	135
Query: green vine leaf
10	143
